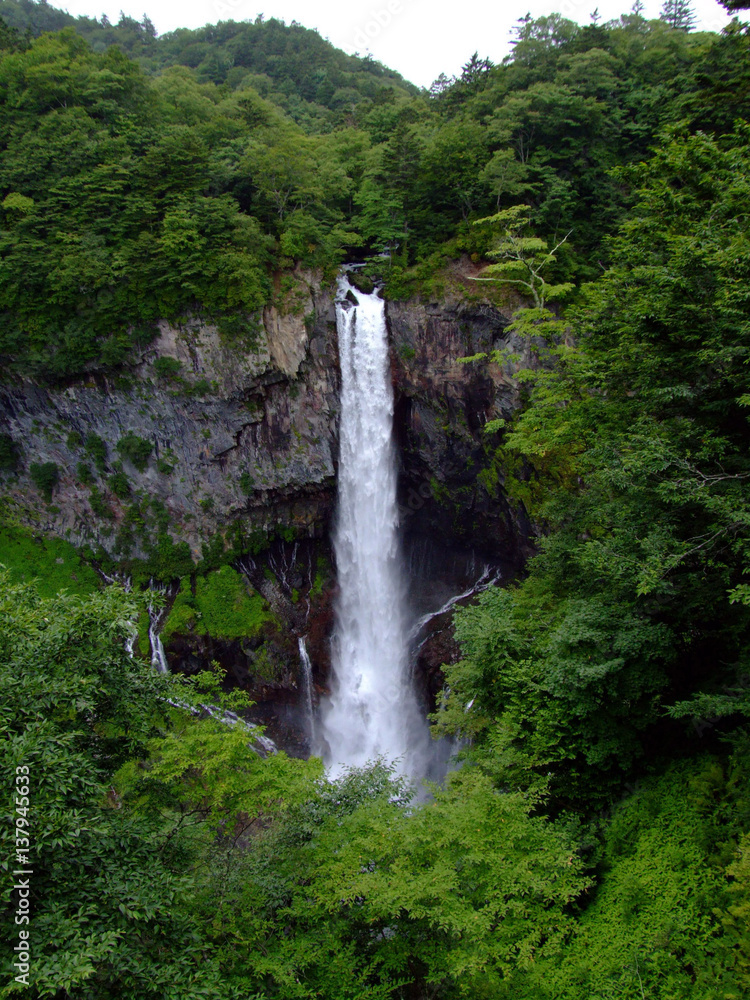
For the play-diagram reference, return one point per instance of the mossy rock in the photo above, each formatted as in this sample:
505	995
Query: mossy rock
361	282
224	607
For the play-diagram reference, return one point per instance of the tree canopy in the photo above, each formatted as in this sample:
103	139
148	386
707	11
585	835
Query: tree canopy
594	840
142	180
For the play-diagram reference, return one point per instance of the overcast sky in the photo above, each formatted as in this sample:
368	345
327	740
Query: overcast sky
419	38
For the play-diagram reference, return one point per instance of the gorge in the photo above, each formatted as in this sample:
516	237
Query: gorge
251	470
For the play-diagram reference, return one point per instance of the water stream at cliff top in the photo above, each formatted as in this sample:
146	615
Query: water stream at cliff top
372	710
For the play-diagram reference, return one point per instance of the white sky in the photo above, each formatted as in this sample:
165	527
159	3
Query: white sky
419	38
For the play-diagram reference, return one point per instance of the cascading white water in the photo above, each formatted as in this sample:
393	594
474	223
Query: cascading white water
307	689
487	579
156	614
158	655
372	710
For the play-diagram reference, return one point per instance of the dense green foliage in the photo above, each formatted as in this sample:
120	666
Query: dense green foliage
633	453
220	607
126	200
171	860
113	883
596	841
662	922
628	640
133	191
52	563
293	67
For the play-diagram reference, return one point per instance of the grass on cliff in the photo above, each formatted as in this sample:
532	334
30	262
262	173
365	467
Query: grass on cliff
54	563
222	607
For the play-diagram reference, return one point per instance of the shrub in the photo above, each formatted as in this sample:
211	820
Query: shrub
227	609
222	607
183	615
136	449
96	447
52	562
98	504
9	453
161	514
45	476
166	560
119	485
167	368
84	473
246	483
74	440
201	388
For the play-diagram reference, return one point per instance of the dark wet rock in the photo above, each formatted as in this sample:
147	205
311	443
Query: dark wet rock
448	486
241	433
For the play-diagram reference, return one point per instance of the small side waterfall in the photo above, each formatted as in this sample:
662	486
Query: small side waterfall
372	709
487	579
307	690
156	615
157	612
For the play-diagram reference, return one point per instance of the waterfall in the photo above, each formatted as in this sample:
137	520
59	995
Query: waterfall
227	718
156	615
158	656
372	709
488	578
307	689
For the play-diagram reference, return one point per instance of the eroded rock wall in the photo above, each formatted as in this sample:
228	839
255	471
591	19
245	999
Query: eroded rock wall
246	433
240	431
449	487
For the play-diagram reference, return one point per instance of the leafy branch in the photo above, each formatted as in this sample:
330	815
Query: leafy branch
522	258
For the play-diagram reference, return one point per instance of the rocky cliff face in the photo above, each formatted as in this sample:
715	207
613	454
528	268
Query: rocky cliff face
242	432
449	488
243	436
246	432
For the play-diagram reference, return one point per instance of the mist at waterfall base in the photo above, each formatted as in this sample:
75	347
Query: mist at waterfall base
372	710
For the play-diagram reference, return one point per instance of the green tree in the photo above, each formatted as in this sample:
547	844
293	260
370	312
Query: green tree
661	922
522	258
45	476
126	796
356	893
135	449
678	14
9	453
633	455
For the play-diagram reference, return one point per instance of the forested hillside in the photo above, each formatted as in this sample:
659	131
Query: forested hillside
595	841
315	83
190	190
